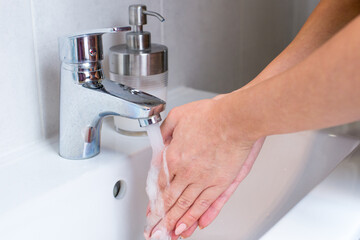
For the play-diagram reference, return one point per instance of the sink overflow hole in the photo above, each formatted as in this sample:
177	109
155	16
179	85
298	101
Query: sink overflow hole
119	189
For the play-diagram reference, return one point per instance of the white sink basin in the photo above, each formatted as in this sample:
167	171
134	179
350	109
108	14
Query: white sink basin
47	197
330	211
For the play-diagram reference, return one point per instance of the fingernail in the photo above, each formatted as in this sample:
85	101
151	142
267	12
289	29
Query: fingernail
180	229
156	235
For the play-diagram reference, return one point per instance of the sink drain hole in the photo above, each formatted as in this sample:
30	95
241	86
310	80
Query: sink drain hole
119	189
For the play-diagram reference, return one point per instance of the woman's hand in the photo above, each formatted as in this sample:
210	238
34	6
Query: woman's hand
216	207
207	159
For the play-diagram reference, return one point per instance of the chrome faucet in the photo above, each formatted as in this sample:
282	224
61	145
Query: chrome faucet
86	96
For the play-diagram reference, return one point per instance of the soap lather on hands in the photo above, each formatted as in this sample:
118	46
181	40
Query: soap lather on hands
206	161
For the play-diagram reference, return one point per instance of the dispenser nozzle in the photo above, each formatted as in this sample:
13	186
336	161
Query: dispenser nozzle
155	14
137	15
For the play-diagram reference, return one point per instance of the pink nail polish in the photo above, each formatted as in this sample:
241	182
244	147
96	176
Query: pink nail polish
180	229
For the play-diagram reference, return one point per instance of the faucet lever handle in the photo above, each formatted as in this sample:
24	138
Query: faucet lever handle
85	46
100	31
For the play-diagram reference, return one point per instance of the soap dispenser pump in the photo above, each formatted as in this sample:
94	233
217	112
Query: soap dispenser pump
139	64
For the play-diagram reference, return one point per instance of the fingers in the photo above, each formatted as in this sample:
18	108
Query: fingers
205	209
171	194
183	203
216	207
169	197
187	233
201	204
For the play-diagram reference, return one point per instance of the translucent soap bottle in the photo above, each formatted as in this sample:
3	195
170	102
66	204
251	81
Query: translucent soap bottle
139	64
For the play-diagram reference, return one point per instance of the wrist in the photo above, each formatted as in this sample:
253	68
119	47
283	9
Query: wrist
239	118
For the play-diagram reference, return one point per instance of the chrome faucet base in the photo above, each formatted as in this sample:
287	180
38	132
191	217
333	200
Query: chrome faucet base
86	97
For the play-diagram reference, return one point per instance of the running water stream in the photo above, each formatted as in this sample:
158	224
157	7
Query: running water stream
158	161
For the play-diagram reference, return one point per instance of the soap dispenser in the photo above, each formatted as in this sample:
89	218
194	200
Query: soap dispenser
139	64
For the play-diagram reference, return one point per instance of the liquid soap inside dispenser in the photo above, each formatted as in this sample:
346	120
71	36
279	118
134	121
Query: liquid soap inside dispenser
139	64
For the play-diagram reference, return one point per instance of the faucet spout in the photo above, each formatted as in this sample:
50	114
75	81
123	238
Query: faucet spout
129	102
83	108
86	97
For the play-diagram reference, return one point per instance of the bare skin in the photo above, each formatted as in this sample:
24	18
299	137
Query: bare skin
212	144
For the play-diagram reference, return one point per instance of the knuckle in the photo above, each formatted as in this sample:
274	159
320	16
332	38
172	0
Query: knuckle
204	203
167	205
190	217
169	199
156	215
170	222
184	203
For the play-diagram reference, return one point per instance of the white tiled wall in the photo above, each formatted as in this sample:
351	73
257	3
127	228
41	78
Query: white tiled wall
213	45
266	30
203	37
20	111
221	45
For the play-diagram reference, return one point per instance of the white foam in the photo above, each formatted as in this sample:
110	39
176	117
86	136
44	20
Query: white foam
152	189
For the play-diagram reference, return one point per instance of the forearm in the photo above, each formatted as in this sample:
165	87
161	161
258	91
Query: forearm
321	91
326	20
